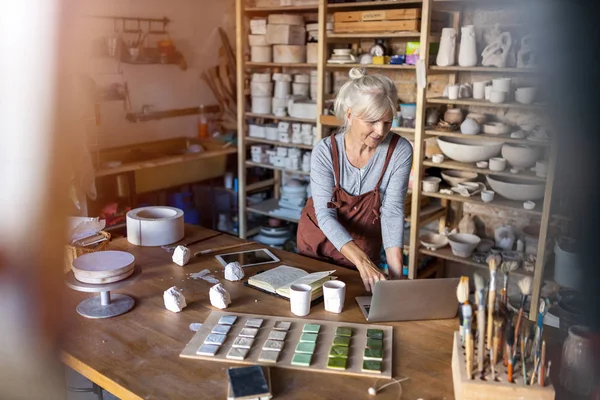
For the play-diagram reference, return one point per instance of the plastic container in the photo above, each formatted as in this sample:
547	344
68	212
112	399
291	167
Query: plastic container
408	110
184	202
567	267
202	124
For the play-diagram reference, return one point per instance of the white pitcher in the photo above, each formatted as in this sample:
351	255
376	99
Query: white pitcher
467	57
446	55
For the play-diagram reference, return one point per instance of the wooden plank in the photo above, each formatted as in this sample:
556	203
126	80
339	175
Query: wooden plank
498	202
268	166
377	15
372	66
279	65
376	35
370	4
306	8
480	69
240	46
276	118
260	185
450	164
486	136
277	143
322	52
266	207
376	26
419	147
485	103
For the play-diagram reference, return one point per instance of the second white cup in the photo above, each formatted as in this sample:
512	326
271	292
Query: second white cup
453	92
300	299
334	293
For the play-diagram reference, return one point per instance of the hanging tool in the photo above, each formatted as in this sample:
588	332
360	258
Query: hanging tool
479	286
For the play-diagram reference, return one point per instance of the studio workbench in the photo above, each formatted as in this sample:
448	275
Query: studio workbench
136	355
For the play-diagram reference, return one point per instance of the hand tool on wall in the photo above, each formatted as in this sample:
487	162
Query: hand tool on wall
493	262
479	286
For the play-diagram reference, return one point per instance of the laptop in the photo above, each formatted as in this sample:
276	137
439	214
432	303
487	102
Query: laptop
410	300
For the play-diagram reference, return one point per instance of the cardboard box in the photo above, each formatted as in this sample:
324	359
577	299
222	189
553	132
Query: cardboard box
377	15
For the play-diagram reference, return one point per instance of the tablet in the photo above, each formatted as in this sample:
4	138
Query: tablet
248	258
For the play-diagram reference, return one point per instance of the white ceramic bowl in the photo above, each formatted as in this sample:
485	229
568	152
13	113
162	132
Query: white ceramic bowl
529	205
438	158
468	150
521	156
463	244
495	128
433	241
431	184
487	195
453	177
515	188
525	95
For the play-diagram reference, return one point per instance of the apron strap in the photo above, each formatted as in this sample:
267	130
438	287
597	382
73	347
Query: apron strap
388	157
335	156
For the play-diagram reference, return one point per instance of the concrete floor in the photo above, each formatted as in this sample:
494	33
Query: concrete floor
78	381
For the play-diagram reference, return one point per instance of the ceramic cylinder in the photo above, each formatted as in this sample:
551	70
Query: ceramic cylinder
479	90
447	52
300	299
578	371
497	164
467	57
487	195
334	293
501	84
261	104
282	89
453	92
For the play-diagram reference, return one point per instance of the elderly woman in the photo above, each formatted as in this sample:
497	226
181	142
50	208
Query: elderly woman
359	178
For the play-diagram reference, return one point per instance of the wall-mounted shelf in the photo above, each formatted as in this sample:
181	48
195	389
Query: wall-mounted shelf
280	9
485	136
179	112
485	103
498	201
274	117
277	143
269	166
267	207
376	35
481	69
280	65
450	164
370	4
372	66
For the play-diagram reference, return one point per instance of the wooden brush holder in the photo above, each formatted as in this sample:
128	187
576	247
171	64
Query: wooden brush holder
482	388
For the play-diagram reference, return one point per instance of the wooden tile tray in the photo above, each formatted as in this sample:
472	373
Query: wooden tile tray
320	356
479	389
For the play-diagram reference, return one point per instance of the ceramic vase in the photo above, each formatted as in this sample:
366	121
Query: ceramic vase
447	52
467	57
578	373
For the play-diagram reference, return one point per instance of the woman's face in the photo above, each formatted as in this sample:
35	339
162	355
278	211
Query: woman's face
370	133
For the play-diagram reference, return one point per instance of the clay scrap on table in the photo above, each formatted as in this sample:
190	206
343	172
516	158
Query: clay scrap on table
219	296
204	274
181	255
174	299
234	271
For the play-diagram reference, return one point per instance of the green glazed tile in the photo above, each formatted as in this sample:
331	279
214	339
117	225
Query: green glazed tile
343	331
371	366
301	359
338	351
375	333
337	363
309	337
375	353
341	341
374	343
311	328
305	347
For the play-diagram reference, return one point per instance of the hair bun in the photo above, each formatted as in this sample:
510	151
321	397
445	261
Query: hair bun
356	73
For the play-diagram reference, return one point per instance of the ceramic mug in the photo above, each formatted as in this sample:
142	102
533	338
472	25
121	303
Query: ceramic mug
431	184
540	169
300	299
334	294
479	90
497	96
453	92
501	84
487	195
497	164
488	92
438	158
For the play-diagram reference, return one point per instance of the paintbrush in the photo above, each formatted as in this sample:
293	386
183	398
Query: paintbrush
509	331
525	287
510	341
506	268
493	261
496	343
539	330
504	313
479	286
523	367
467	314
533	374
462	295
542	379
493	364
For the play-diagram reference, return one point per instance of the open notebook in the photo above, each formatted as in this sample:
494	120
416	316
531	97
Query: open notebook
278	280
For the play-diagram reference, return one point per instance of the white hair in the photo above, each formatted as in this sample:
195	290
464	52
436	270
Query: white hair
368	97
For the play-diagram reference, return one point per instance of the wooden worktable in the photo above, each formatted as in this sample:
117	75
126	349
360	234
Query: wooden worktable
136	355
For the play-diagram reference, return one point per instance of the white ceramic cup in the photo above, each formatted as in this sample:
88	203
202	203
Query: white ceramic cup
488	92
497	96
453	92
334	293
438	158
300	299
479	90
497	164
501	84
487	195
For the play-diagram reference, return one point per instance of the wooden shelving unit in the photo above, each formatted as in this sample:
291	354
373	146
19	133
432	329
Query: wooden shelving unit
485	136
449	164
485	103
274	168
276	143
250	64
481	69
267	207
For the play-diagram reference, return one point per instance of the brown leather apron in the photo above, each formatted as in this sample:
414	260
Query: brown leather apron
359	215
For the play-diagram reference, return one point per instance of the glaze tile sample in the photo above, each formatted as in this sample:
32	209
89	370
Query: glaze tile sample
236	353
339	351
371	366
248	332
341	341
254	322
242	342
311	328
374	343
337	363
301	359
227	319
305	347
375	333
273	345
268	356
282	325
215	338
277	335
309	337
375	353
208	350
343	331
221	329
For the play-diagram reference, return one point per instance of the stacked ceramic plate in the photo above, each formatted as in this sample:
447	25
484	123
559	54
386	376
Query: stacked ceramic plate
103	267
274	236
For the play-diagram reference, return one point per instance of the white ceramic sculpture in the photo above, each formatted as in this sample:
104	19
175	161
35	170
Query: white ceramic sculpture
219	296
446	55
527	57
496	53
234	271
467	56
491	33
181	255
174	299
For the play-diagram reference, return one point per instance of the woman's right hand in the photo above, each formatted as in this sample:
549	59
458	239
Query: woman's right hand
370	274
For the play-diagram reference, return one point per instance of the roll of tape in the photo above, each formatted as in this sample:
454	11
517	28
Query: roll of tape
154	226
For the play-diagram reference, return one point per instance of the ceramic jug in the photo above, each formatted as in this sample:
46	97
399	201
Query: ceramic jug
447	52
467	57
577	370
467	224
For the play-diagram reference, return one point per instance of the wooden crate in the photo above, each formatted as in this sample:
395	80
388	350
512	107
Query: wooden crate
377	15
377	26
478	389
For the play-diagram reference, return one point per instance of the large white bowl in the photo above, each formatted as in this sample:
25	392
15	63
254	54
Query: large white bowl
433	241
453	177
515	188
521	156
469	150
463	244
